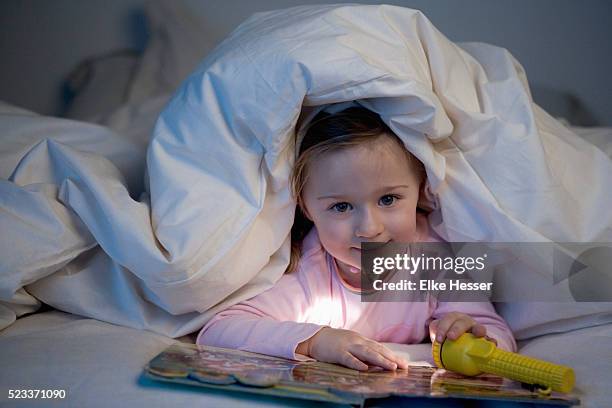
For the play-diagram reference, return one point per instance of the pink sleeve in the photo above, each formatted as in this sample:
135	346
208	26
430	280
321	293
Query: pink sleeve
273	322
483	313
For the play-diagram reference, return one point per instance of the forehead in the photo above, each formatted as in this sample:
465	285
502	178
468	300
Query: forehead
380	162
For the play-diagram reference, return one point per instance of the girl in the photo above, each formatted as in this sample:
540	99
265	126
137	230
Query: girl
354	182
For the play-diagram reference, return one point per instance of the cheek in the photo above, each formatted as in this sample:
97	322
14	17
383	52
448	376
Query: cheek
403	227
334	234
332	231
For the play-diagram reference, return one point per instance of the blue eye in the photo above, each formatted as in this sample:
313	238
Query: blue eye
388	200
341	207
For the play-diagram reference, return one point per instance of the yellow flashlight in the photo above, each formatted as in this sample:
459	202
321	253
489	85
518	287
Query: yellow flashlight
470	355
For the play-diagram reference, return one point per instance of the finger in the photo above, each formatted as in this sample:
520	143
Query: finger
459	327
433	327
391	356
371	356
351	361
494	340
444	325
479	330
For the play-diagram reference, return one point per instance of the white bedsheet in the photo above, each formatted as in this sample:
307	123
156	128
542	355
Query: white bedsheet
100	365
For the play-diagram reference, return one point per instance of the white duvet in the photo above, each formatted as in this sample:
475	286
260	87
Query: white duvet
211	227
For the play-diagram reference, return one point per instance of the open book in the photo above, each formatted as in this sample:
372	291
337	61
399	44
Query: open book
234	370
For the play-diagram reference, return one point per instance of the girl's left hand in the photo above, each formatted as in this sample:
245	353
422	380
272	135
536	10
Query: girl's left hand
453	325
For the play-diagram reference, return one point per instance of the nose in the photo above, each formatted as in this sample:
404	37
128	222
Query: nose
369	224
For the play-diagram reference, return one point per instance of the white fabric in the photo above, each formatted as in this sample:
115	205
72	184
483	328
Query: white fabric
214	229
506	161
100	365
177	42
588	351
599	136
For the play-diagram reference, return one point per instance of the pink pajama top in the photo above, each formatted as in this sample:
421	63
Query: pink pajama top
315	296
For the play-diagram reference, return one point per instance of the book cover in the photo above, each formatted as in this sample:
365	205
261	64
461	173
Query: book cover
235	370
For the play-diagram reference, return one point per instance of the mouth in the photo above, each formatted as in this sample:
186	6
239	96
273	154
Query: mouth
373	245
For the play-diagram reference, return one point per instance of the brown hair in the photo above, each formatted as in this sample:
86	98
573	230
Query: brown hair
327	133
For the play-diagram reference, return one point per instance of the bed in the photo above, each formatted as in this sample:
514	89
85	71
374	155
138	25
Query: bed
100	364
98	360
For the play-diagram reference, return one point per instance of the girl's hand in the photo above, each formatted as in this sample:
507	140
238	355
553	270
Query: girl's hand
350	349
453	325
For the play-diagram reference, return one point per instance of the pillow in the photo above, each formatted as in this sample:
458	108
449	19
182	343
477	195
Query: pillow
599	136
99	85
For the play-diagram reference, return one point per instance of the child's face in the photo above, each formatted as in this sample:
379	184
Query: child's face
365	193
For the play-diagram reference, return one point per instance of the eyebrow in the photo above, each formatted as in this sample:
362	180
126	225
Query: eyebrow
386	188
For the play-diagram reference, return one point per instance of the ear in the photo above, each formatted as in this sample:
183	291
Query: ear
423	201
